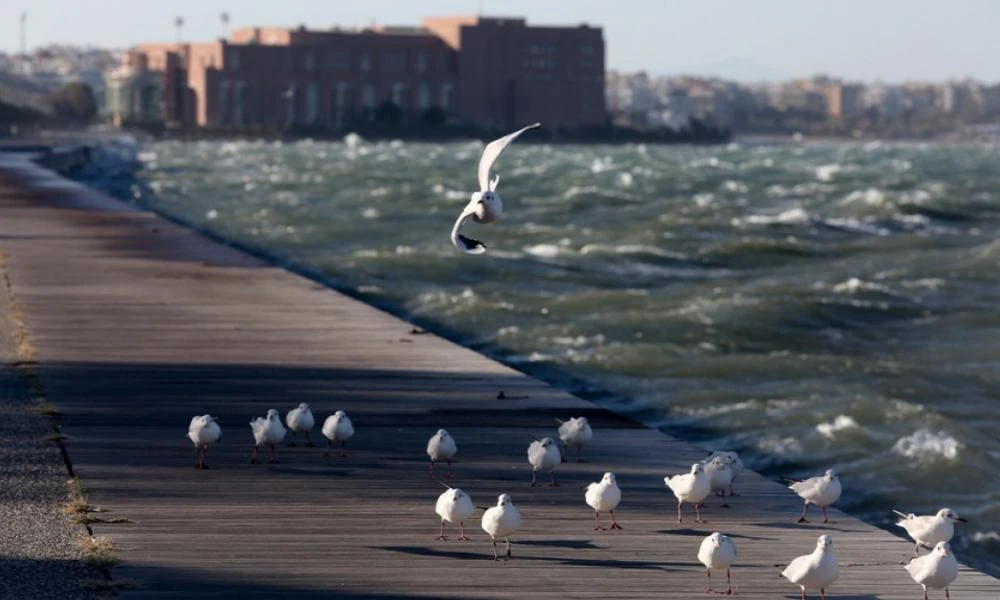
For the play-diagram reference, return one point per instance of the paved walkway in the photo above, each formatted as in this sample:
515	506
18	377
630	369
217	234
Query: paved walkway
138	324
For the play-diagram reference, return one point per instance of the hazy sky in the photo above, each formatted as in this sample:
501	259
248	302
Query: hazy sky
891	40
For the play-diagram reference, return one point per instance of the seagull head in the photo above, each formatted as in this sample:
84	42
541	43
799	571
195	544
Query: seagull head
609	479
824	541
697	468
730	457
442	433
831	475
942	549
717	539
548	442
339	415
504	500
718	462
304	407
947	513
272	414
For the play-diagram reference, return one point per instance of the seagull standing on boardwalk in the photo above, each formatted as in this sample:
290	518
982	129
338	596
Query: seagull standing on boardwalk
543	454
454	506
730	458
575	432
441	447
814	571
821	491
485	205
501	521
692	488
929	530
300	420
935	570
720	476
267	431
338	428
604	495
203	432
717	551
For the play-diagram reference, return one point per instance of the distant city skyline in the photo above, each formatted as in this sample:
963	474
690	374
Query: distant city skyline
865	40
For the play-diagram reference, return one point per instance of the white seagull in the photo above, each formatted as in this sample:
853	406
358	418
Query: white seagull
543	454
717	551
822	491
929	530
935	570
814	571
441	447
267	431
485	205
720	476
203	431
501	521
604	496
454	506
300	420
338	428
575	432
692	488
730	458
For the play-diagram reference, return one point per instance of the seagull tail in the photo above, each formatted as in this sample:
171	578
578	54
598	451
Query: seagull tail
560	421
903	515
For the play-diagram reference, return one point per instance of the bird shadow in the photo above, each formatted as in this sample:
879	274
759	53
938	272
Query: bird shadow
576	562
699	533
571	544
838	597
814	526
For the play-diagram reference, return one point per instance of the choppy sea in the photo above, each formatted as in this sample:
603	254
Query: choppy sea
809	305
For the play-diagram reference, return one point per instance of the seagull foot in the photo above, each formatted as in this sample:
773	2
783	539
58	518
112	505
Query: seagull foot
600	528
310	445
564	459
700	520
580	460
725	505
616	526
441	538
463	538
802	520
553	484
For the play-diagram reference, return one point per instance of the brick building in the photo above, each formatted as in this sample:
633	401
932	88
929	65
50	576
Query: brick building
489	72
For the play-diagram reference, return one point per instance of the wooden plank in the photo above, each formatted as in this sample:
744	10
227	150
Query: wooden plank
138	324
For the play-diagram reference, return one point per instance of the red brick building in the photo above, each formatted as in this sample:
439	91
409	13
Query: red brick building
490	72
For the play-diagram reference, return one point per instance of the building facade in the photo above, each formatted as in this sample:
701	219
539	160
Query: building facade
491	73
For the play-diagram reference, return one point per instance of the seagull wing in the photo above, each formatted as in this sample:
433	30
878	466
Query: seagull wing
492	152
464	243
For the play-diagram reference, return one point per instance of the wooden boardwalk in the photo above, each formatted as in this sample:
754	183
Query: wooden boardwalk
138	324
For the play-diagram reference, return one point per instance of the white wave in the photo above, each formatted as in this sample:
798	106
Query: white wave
841	423
851	224
789	217
601	164
353	140
855	285
508	330
543	250
926	444
625	179
577	341
371	213
704	199
986	536
212	214
786	446
718	409
871	196
930	283
627	249
826	172
735	187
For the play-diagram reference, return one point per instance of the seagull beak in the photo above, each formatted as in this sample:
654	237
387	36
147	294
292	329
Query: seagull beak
961	519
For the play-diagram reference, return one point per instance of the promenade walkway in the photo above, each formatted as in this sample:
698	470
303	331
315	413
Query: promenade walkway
137	324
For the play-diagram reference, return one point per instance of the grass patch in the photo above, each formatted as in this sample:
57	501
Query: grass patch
47	409
89	518
98	552
78	506
108	585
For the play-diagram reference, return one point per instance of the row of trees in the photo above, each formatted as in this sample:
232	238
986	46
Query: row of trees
73	103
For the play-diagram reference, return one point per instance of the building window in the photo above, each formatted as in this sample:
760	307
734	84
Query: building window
312	102
446	92
289	98
365	63
393	62
224	102
309	61
234	59
425	96
339	59
398	90
239	96
369	96
421	62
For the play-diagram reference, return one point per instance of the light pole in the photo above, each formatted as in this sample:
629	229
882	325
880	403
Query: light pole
179	24
224	17
24	33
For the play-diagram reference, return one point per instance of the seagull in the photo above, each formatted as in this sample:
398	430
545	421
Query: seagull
929	530
692	488
501	521
338	428
267	430
454	506
720	476
821	491
440	447
300	420
717	551
730	458
543	454
935	570
203	431
485	205
816	570
604	495
575	432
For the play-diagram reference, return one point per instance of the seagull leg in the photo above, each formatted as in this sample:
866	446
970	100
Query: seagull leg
449	469
708	574
329	446
273	458
825	519
725	503
441	537
614	523
946	594
916	550
534	478
309	442
554	483
802	519
292	443
803	593
461	532
495	555
431	473
343	448
729	583
579	453
197	457
597	521
201	463
822	594
680	519
697	514
508	546
565	449
253	458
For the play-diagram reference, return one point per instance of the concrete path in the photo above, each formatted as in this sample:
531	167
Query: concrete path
138	324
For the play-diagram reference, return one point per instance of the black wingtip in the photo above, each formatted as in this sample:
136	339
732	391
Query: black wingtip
471	243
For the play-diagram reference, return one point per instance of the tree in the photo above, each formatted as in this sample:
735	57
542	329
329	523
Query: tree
388	113
75	102
433	116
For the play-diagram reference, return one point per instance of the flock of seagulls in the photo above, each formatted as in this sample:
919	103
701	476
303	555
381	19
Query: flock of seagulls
715	474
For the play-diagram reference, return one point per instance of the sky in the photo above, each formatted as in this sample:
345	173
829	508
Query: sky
865	40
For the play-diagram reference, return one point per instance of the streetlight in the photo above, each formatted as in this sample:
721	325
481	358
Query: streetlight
224	17
179	24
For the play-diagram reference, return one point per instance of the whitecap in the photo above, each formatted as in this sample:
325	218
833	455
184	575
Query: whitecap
627	249
212	214
543	250
986	536
625	179
371	213
736	187
926	444
855	285
841	423
826	172
789	217
870	196
704	199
